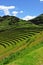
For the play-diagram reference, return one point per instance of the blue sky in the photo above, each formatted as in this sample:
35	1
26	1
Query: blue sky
21	8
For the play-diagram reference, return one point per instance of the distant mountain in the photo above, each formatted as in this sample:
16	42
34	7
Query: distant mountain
11	19
7	22
38	20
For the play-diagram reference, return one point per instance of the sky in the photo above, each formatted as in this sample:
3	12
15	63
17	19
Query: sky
25	9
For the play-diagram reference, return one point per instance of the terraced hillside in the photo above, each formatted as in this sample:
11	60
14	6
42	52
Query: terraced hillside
21	43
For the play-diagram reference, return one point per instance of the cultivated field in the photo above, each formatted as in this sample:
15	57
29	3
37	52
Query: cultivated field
21	43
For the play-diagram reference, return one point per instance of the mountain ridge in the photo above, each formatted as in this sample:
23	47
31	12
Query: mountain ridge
38	20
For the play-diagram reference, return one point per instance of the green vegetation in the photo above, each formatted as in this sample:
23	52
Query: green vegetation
38	20
21	42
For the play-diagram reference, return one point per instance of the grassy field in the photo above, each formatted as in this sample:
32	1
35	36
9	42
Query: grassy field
32	55
33	58
21	43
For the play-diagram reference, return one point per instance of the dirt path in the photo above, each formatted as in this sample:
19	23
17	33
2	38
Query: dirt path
38	38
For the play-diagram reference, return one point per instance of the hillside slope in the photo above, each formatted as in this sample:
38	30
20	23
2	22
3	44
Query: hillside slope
38	20
20	40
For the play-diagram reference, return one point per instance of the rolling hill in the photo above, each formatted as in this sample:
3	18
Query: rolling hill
38	20
21	42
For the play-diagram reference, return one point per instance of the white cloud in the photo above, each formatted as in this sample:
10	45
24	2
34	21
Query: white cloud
15	13
6	9
41	0
21	11
28	17
7	12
